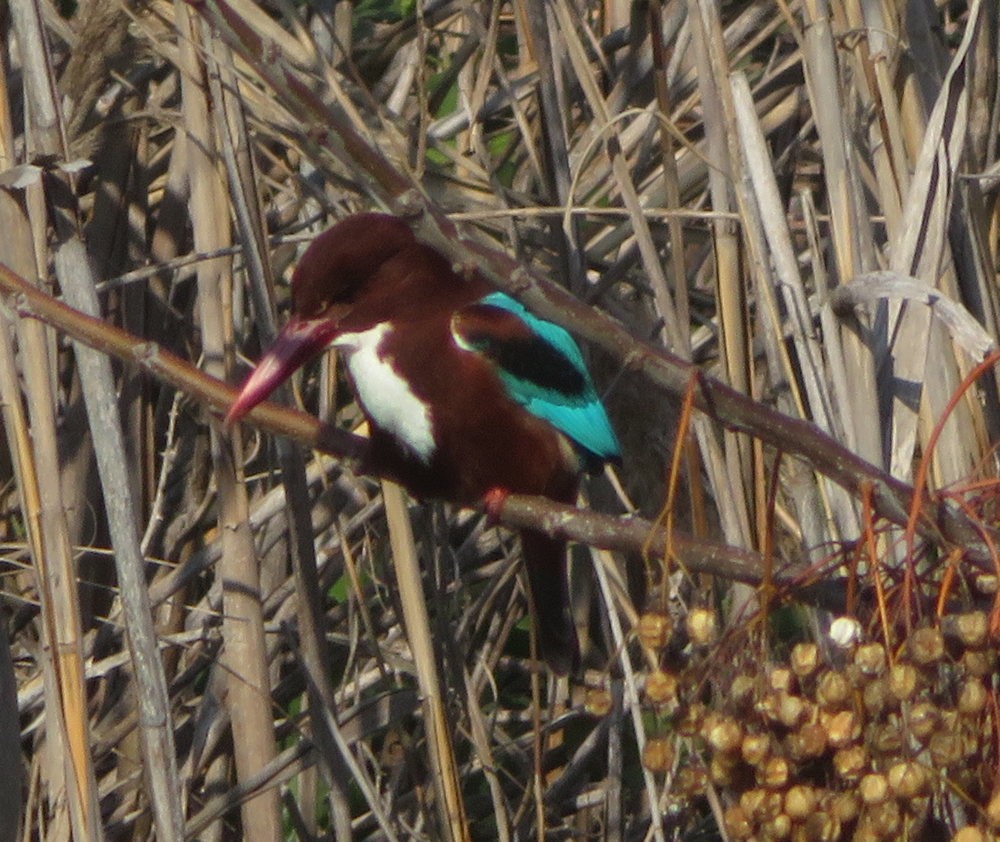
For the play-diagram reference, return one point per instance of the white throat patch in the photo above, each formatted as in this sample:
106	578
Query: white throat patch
386	396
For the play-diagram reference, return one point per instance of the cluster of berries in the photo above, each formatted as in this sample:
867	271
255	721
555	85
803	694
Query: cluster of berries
856	740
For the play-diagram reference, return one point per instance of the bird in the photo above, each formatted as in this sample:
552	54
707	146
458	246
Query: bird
468	396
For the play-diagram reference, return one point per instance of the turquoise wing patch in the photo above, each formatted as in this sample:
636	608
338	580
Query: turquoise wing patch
542	369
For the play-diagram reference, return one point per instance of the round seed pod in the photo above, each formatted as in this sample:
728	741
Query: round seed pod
804	659
851	763
597	701
690	782
874	789
771	806
845	806
658	754
871	659
737	824
774	773
755	749
926	647
701	626
833	691
769	706
968	834
723	734
709	721
754	803
842	728
690	721
885	819
661	687
946	749
742	690
979	663
887	739
781	680
972	739
987	583
876	697
922	720
972	629
808	742
654	630
855	677
780	827
902	681
845	632
800	802
949	720
972	697
722	769
791	710
908	780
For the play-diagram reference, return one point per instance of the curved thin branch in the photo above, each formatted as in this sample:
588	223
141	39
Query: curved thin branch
694	555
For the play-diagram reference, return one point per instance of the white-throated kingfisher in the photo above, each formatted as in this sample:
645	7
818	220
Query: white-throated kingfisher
467	394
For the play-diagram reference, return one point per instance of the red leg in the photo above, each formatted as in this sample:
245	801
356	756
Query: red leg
493	501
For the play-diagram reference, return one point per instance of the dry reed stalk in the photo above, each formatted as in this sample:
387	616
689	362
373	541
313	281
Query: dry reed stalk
74	786
451	807
244	658
738	481
73	272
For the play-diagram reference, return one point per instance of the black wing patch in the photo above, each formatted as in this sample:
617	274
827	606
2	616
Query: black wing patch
504	339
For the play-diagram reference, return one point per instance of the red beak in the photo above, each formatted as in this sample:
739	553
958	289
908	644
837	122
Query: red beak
299	341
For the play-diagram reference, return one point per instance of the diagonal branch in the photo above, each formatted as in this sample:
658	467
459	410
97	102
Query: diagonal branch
626	534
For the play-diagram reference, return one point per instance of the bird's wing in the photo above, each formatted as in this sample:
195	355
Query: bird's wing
541	368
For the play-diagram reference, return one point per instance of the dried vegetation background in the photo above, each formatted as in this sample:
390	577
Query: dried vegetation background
775	226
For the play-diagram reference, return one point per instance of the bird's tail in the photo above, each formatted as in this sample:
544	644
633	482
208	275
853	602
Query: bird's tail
545	563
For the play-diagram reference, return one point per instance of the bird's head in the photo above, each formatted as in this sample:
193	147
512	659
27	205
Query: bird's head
344	280
345	265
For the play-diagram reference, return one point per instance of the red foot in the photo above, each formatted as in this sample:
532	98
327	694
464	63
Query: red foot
493	501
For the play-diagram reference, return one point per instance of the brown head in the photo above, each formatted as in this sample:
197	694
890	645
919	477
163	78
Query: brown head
342	261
